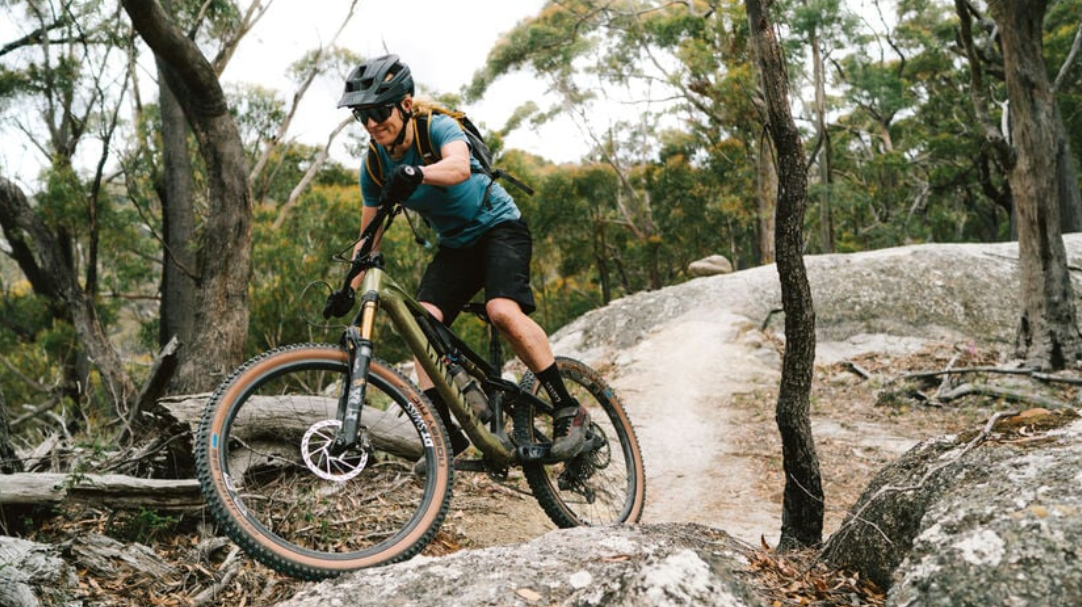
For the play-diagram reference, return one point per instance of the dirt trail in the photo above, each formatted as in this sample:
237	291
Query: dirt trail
700	389
677	385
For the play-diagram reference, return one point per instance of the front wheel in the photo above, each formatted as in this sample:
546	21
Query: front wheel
273	479
604	484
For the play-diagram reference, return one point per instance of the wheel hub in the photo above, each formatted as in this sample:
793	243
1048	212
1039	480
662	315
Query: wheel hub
316	449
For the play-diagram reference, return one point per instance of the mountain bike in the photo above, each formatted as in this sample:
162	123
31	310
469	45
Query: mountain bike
319	459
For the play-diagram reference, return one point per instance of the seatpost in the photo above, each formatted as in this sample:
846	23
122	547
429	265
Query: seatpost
495	352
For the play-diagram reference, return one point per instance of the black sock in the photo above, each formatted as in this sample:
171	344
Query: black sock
554	384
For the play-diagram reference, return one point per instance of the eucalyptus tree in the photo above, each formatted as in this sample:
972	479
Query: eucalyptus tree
802	502
824	29
71	66
1063	51
908	162
223	266
1048	334
681	65
177	190
877	162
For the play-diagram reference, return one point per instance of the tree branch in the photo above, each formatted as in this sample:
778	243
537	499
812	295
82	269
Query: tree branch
1069	61
38	36
309	175
279	137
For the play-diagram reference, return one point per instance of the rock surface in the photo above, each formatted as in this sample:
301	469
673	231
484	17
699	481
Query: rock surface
30	571
626	566
989	518
996	523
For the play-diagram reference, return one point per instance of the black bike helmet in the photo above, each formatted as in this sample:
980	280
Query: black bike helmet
378	81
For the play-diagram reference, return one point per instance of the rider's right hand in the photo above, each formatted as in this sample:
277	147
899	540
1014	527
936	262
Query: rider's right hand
339	303
402	183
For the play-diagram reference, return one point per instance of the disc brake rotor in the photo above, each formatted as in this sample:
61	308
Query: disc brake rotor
317	454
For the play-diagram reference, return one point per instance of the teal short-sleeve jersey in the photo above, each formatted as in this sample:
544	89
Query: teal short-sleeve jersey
459	214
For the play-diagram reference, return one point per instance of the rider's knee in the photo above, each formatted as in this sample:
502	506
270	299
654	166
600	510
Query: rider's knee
504	313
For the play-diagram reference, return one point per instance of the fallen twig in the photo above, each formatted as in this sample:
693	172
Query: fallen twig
1011	395
859	370
1057	379
945	383
961	370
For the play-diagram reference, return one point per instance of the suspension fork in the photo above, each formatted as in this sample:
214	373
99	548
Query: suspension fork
358	342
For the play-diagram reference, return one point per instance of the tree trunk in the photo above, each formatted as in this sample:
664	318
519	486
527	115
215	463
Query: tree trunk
176	192
601	258
826	216
28	235
224	252
9	461
111	490
1070	199
1048	336
767	182
802	504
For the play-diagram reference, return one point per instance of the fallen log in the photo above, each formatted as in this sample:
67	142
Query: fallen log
270	418
268	432
111	490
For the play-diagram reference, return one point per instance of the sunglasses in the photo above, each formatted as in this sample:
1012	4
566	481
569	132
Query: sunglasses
378	113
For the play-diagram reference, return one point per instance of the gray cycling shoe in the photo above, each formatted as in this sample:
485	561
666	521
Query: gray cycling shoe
569	432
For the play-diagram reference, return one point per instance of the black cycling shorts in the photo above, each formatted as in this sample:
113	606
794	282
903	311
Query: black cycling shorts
498	262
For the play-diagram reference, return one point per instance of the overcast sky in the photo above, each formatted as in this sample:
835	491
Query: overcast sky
444	42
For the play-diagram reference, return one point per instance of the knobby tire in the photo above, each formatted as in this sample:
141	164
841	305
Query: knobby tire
266	496
600	487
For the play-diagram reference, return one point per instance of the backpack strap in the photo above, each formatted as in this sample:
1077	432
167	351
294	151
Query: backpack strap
502	174
423	138
373	164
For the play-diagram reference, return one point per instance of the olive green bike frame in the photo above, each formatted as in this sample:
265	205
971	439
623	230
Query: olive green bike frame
379	290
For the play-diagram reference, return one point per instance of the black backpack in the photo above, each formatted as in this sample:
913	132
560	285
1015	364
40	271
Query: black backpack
429	155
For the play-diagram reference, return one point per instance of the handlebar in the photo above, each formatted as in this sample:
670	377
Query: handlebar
365	258
402	183
340	302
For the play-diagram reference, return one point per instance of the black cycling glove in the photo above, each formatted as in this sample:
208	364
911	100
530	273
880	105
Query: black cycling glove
339	303
404	180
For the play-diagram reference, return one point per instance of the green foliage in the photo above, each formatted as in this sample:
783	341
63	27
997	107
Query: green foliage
143	526
257	112
285	260
1061	26
12	82
674	182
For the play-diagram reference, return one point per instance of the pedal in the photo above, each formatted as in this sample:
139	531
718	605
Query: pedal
533	453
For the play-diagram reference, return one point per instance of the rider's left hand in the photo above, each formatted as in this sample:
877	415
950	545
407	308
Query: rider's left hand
339	303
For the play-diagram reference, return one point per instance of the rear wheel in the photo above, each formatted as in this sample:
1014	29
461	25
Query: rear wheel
604	484
271	478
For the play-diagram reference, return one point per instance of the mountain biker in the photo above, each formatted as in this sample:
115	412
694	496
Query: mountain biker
483	240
